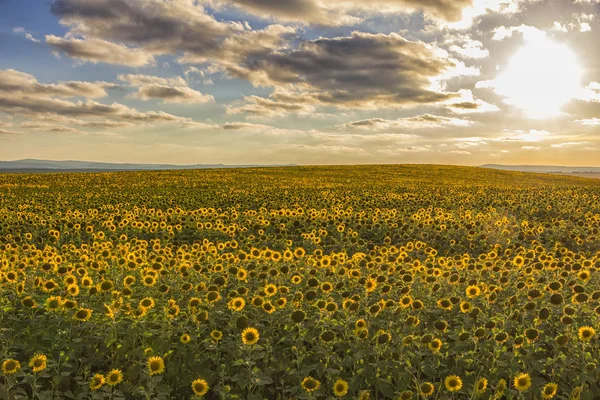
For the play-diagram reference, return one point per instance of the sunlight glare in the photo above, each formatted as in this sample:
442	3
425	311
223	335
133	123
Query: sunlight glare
541	77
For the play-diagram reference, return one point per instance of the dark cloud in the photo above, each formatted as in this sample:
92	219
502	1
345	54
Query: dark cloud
22	95
361	70
466	105
172	94
339	12
153	27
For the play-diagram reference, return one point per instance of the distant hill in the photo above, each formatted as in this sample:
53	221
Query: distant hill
33	165
547	169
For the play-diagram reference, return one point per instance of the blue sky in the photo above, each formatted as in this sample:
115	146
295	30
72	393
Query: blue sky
305	81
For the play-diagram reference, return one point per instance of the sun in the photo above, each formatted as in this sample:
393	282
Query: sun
540	78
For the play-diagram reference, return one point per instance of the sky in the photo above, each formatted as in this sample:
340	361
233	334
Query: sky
465	82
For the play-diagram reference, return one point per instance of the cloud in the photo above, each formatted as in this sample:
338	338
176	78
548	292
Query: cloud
9	132
22	95
529	32
133	32
416	122
169	90
45	127
362	70
466	103
358	71
340	12
471	49
533	135
279	105
181	95
12	81
567	144
19	30
589	122
97	50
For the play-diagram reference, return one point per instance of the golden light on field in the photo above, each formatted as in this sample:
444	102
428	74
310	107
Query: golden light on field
541	77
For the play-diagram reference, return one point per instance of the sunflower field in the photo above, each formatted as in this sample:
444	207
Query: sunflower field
366	282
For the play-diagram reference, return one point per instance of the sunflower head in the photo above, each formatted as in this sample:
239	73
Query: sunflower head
185	338
250	336
156	365
522	382
38	362
298	316
97	382
310	384
216	335
83	314
586	333
481	386
453	383
10	366
114	377
549	390
340	388
426	389
435	345
200	387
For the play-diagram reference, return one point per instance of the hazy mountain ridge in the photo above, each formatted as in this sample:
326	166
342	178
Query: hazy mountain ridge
548	169
72	165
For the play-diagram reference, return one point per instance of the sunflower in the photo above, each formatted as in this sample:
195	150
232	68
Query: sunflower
481	386
156	365
340	388
549	390
213	296
522	382
500	388
586	333
241	274
10	366
236	304
270	290
250	336
427	389
185	338
29	302
83	314
310	384
146	303
472	291
54	303
73	290
465	307
405	301
299	252
114	377
298	316
435	345
518	261
370	285
216	335
268	307
453	383
200	387
97	382
37	363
